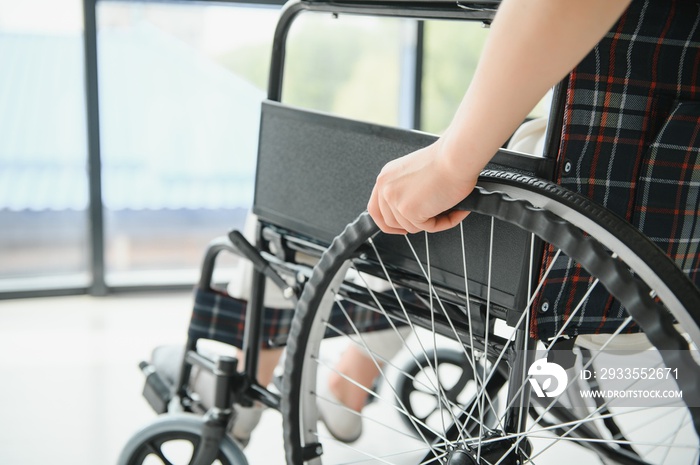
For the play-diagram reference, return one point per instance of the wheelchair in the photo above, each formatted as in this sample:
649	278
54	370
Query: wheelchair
501	370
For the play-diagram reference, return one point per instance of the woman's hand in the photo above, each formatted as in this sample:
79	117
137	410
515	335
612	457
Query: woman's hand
414	192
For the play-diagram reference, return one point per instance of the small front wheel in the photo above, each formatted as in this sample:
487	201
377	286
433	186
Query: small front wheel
173	439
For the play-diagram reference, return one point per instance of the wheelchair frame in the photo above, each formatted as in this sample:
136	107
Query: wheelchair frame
279	236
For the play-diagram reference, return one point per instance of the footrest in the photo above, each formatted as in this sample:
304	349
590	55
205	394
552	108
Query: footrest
156	389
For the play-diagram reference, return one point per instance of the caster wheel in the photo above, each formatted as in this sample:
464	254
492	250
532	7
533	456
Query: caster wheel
173	440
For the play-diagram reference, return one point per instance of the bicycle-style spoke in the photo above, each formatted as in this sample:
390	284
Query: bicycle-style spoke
468	303
390	319
524	385
431	309
469	355
590	417
525	347
401	409
441	394
375	457
486	335
381	372
390	363
441	398
518	324
376	396
685	420
485	410
553	402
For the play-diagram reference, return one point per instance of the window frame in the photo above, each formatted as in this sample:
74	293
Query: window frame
411	101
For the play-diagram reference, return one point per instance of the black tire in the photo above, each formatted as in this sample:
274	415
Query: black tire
613	252
179	432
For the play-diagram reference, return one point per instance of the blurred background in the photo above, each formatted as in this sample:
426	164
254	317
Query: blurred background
128	138
171	161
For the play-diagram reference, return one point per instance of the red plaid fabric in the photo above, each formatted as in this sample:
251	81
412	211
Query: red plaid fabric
630	142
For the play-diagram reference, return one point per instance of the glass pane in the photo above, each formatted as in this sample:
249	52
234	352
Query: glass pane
180	90
452	50
353	66
43	149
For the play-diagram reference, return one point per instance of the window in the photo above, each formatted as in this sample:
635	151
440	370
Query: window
180	90
451	50
180	86
43	151
353	66
451	53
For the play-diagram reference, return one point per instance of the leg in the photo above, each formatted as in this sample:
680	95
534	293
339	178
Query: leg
356	365
353	378
247	418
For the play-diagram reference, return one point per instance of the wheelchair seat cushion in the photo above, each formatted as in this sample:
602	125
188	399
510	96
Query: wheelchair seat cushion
220	317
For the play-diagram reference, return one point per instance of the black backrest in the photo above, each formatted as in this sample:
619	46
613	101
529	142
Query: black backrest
315	174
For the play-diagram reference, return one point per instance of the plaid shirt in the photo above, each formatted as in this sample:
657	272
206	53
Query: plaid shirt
630	142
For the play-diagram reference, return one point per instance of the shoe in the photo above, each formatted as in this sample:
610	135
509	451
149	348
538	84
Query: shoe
342	422
245	421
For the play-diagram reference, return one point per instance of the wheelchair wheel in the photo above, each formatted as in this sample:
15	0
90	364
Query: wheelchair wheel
519	414
173	439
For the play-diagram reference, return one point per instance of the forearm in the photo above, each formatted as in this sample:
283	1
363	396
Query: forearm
532	45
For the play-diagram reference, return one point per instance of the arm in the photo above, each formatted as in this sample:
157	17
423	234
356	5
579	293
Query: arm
532	45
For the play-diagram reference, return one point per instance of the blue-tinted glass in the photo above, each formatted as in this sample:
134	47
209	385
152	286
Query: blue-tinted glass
180	91
43	150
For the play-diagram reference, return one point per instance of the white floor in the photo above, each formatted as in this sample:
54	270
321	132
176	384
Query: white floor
70	387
